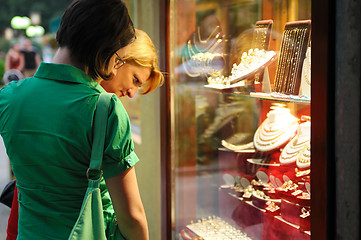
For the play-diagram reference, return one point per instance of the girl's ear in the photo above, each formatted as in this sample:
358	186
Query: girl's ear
114	72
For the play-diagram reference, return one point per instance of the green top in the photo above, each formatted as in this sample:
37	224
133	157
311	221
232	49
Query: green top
46	123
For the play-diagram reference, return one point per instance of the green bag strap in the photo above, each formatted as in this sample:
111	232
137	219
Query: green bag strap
100	125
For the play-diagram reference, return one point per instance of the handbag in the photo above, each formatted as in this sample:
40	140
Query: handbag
90	223
7	194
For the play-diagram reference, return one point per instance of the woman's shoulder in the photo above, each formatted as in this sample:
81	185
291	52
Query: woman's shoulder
116	105
117	111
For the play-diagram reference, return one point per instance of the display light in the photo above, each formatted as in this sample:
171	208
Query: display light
18	22
33	31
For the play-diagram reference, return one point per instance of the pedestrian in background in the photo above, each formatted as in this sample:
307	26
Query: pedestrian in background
32	58
14	64
14	59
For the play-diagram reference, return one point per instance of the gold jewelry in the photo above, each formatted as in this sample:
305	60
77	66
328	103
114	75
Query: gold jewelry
266	138
304	159
219	81
297	192
260	194
294	42
260	36
301	173
210	44
250	62
290	59
305	195
272	206
293	149
288	186
299	61
293	52
287	39
305	213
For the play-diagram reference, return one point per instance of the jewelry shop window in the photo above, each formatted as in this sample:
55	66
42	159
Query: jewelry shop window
240	73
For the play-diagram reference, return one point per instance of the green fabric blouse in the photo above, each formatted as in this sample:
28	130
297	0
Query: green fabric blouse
46	124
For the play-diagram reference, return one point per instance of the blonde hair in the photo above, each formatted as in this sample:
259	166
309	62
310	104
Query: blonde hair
143	53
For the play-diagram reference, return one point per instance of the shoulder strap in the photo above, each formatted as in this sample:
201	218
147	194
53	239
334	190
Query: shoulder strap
100	125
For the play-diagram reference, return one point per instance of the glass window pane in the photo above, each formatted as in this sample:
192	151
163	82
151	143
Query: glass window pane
240	91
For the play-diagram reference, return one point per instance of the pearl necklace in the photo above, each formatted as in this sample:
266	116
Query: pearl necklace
279	127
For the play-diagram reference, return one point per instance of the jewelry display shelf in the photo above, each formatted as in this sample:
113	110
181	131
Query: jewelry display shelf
287	80
281	97
251	160
245	164
248	150
239	90
259	161
261	225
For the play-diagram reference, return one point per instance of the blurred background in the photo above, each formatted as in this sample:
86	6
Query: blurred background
37	20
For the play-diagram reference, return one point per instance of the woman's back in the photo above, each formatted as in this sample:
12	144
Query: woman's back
48	133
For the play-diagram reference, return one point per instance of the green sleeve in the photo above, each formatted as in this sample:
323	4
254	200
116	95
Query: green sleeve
119	152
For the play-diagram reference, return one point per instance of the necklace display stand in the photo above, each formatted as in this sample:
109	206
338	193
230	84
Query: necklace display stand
276	131
295	40
261	40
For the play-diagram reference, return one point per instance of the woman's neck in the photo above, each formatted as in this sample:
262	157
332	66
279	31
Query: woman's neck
63	56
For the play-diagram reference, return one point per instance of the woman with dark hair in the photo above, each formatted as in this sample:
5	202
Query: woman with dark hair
93	31
46	122
32	58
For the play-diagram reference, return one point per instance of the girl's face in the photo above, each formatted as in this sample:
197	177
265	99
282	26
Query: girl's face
127	80
121	53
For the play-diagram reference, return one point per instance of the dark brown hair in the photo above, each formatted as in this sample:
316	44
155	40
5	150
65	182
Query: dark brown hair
94	30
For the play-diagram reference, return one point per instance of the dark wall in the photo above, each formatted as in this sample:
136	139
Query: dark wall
347	118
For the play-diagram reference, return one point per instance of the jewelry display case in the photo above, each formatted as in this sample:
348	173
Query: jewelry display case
240	113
